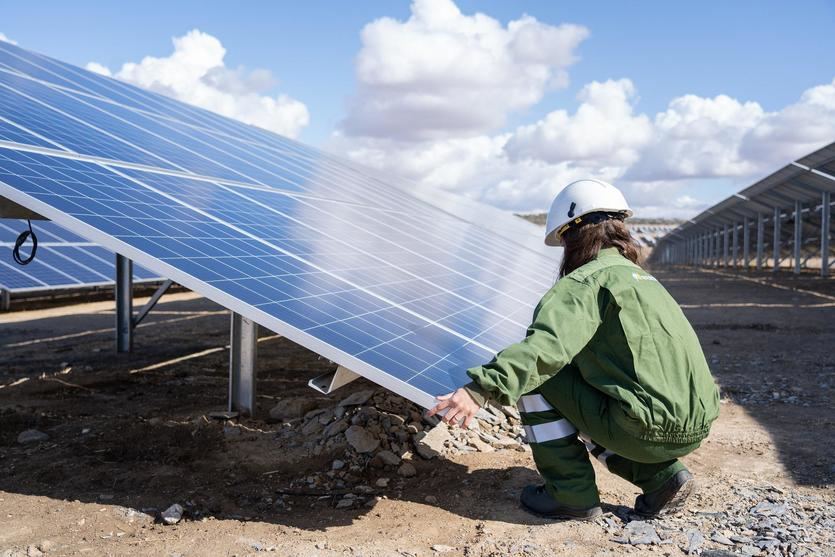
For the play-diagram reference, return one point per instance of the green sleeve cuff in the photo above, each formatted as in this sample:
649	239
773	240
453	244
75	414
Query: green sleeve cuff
479	395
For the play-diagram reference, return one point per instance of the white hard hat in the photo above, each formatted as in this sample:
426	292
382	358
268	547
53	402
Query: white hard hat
582	198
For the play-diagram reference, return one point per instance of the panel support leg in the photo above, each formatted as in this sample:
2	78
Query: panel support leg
746	244
124	304
725	245
826	212
243	347
776	244
798	235
760	240
735	246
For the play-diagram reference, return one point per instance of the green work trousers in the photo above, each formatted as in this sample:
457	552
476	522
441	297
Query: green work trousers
566	419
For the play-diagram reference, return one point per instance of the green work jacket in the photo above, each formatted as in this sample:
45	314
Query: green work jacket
628	338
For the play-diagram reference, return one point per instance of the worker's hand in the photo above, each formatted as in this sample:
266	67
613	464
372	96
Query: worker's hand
458	405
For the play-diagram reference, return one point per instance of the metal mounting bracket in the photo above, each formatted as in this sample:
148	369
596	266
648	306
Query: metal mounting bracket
126	321
329	382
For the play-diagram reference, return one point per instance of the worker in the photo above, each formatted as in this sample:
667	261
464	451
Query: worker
609	366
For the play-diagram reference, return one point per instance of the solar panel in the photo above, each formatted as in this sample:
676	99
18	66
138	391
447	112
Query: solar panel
341	261
64	260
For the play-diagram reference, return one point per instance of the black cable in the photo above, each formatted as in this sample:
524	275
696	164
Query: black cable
22	240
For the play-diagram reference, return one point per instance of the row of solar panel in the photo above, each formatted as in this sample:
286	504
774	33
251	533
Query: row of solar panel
411	307
338	260
63	260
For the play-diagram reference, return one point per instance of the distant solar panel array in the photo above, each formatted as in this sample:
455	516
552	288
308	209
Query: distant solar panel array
334	258
63	260
647	235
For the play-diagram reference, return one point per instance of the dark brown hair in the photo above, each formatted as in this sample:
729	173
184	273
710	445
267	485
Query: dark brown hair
584	243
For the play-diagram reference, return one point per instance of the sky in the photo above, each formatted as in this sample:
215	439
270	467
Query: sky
679	104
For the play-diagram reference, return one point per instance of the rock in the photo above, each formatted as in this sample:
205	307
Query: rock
292	408
336	428
769	509
694	541
362	441
719	538
382	482
312	427
431	499
639	532
345	503
480	445
172	515
31	436
441	548
407	470
388	458
357	399
46	545
431	444
33	551
131	515
338	464
511	412
505	443
750	550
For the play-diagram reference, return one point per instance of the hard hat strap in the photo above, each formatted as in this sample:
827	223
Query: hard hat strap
590	218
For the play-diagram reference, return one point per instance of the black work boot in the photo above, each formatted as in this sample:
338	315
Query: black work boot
667	499
535	499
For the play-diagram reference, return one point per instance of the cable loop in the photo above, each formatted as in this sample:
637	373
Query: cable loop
22	240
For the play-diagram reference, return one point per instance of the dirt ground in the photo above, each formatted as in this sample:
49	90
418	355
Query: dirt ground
131	434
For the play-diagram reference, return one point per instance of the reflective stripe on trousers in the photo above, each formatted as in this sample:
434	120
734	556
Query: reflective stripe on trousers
548	431
558	429
593	447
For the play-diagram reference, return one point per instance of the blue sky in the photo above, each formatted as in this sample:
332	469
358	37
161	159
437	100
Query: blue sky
764	51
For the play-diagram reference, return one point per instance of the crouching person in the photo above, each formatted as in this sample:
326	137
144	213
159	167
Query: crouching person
609	367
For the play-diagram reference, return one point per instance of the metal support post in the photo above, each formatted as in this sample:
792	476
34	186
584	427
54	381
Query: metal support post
716	248
124	304
798	235
746	243
776	239
243	347
724	245
735	252
826	212
760	240
5	300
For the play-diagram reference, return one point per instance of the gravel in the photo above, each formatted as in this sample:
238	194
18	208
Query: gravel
761	520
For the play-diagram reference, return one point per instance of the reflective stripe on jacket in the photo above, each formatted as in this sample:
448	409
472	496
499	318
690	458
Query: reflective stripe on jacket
629	339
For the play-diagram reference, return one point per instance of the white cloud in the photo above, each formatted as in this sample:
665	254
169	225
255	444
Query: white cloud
604	129
196	73
5	39
699	137
477	167
794	131
100	69
444	74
